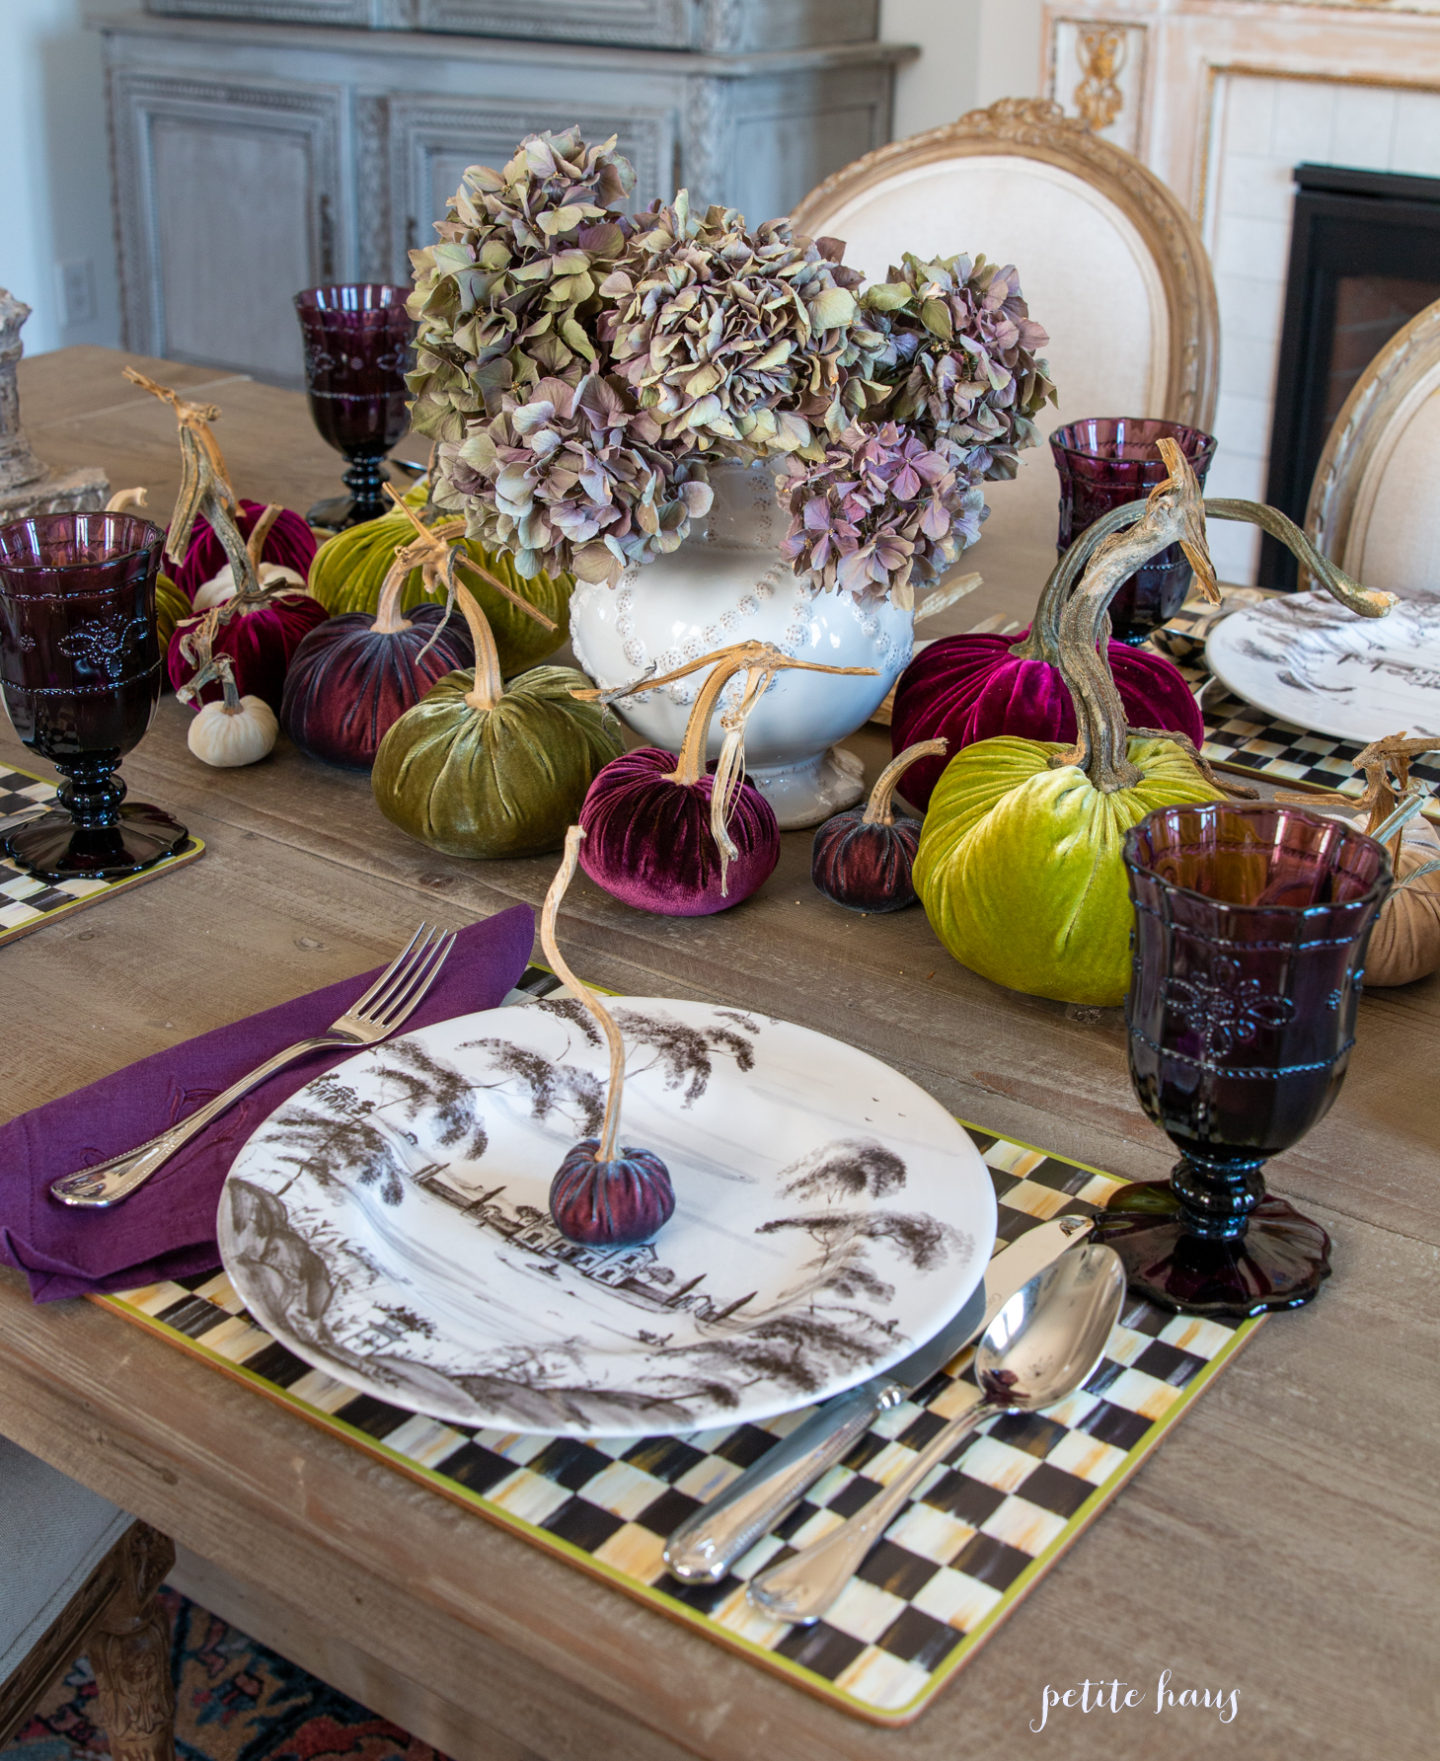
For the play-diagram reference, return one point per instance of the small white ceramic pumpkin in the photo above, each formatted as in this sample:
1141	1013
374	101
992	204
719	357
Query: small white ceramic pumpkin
237	730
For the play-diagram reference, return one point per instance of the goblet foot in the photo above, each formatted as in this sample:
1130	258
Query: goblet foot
53	848
1277	1262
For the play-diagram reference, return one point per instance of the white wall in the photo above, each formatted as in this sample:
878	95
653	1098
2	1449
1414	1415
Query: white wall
55	204
974	52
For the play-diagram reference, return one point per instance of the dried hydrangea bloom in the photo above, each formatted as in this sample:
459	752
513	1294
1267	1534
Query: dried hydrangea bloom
510	293
732	338
957	360
879	511
572	480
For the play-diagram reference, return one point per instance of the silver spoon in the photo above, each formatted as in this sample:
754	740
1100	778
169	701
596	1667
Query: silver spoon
1039	1349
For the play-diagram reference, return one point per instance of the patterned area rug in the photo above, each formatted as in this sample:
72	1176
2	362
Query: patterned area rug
234	1701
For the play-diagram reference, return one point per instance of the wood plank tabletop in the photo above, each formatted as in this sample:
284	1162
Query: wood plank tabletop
1283	1542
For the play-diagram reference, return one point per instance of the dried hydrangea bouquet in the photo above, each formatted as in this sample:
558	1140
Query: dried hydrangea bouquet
720	430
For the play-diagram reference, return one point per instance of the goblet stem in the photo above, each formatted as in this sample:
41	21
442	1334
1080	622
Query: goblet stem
1217	1197
92	792
365	479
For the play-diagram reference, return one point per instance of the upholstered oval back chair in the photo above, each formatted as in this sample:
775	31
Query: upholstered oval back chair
1375	502
1109	261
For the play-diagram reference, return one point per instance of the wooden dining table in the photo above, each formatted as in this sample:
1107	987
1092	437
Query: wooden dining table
1283	1542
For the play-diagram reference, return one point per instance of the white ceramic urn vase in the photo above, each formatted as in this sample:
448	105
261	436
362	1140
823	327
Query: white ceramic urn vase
728	583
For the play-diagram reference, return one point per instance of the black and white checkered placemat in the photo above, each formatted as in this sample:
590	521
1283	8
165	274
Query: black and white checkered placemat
983	1530
27	903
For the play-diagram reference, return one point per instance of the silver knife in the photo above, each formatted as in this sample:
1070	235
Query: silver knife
707	1544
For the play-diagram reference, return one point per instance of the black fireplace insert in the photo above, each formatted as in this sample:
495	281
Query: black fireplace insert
1364	259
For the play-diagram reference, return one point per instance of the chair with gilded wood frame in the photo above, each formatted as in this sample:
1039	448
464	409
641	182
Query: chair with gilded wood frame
79	1576
1374	506
1109	260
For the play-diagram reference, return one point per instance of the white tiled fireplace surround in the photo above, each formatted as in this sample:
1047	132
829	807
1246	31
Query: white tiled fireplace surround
1223	99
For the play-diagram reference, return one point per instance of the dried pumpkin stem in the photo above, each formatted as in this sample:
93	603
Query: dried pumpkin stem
389	619
880	809
489	687
127	501
587	998
435	538
259	532
1172	514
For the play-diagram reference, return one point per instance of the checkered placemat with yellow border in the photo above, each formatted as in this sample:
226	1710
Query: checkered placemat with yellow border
27	903
983	1531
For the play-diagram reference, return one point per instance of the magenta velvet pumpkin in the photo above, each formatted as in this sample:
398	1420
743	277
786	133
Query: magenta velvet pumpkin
969	688
648	838
615	1203
259	639
353	676
289	542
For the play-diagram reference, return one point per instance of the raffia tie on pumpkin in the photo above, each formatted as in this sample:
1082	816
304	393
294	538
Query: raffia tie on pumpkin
437	553
760	661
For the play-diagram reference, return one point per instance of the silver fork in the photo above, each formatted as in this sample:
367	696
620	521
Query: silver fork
386	1006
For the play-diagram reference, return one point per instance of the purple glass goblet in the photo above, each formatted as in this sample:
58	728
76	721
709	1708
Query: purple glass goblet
1251	923
357	349
1106	461
80	671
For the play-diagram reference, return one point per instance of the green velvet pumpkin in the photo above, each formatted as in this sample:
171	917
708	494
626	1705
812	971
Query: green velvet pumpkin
1019	867
350	569
170	606
477	769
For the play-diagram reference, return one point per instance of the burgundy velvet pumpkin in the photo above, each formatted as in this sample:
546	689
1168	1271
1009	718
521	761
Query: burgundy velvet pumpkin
969	688
260	639
863	858
614	1203
355	675
648	838
289	542
657	834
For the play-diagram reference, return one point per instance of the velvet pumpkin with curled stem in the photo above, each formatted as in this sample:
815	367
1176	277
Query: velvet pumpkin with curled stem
355	675
864	858
1020	866
666	834
973	687
482	768
602	1195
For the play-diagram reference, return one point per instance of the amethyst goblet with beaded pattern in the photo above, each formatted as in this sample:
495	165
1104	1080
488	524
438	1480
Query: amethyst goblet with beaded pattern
1106	461
1251	924
81	670
357	349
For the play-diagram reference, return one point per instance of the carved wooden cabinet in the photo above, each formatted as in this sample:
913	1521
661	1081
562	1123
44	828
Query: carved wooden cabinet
254	157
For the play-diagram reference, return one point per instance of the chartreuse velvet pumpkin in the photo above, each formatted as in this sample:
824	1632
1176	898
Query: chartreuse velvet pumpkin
481	768
349	572
1019	867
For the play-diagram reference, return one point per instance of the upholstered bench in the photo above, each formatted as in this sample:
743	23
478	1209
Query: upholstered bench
77	1575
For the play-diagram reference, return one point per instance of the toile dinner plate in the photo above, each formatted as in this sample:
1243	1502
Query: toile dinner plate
1308	660
389	1223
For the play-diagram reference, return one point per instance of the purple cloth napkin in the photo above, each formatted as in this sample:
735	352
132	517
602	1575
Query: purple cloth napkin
167	1228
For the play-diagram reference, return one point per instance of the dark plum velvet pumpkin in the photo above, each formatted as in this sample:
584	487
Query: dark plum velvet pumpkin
614	1203
863	858
259	637
602	1195
969	688
288	542
355	675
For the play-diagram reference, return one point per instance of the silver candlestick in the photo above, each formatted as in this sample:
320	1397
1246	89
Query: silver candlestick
27	486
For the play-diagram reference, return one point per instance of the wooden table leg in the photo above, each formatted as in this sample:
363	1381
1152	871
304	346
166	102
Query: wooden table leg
130	1655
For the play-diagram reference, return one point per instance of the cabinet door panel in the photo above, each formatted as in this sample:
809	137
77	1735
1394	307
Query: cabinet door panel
229	203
